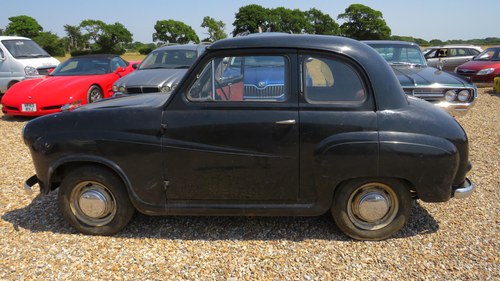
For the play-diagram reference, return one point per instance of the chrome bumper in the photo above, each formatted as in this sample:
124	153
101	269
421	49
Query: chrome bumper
29	183
465	190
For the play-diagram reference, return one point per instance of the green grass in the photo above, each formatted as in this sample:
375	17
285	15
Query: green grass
132	56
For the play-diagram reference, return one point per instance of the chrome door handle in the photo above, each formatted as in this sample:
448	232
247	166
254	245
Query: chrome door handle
286	122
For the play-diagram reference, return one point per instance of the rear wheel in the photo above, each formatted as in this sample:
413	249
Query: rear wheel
371	209
94	94
94	201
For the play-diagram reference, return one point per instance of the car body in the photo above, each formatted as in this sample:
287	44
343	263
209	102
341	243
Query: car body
448	57
78	80
21	58
483	68
445	90
161	70
344	138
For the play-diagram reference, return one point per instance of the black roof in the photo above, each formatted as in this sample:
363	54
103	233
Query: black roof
95	56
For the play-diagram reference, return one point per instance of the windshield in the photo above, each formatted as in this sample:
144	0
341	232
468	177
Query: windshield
400	54
82	66
492	54
23	48
169	59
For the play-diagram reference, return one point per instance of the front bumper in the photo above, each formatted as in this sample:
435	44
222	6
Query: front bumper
465	190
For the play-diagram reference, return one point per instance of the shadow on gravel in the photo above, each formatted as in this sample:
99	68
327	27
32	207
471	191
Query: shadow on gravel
16	118
493	93
42	215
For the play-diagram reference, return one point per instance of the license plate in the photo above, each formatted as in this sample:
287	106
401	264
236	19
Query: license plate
28	107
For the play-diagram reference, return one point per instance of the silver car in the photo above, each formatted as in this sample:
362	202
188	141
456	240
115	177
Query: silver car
450	56
160	71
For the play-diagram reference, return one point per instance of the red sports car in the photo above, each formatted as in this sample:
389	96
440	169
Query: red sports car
483	68
78	80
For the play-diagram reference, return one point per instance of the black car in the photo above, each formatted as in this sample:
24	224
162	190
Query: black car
445	90
339	135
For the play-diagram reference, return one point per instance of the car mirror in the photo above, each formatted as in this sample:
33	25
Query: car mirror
440	64
120	69
2	56
135	66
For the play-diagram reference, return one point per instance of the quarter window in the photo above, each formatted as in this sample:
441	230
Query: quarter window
332	81
240	79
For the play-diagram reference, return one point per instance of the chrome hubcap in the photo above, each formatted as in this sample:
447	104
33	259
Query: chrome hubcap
372	206
92	203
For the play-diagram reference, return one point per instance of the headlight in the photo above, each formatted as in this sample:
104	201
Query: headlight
30	71
463	95
485	71
164	89
122	89
115	88
450	95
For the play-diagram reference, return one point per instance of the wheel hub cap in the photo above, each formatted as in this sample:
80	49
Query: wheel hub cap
373	206
94	204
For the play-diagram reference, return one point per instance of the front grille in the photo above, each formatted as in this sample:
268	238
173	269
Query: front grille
273	92
142	90
426	93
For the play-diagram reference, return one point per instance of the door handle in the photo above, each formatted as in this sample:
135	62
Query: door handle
286	122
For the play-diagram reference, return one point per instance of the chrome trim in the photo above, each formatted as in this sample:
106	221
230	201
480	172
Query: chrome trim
286	122
464	191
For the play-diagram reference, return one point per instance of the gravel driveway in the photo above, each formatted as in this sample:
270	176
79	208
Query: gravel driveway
457	240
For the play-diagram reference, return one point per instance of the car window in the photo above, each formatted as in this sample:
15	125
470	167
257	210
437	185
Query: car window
330	81
117	62
395	54
169	59
240	79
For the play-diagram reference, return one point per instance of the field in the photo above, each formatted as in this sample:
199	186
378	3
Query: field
457	240
132	56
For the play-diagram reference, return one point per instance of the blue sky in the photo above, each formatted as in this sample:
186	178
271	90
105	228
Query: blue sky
426	19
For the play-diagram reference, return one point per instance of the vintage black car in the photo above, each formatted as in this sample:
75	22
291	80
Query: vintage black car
339	135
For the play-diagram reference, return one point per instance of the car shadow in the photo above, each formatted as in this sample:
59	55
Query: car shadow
492	93
16	118
43	215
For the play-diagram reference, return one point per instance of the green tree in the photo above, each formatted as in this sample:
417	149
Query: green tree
364	23
23	26
289	21
172	31
321	23
50	43
114	38
74	37
251	18
92	30
215	29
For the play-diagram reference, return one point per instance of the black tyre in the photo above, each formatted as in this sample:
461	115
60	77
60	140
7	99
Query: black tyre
371	209
95	201
94	94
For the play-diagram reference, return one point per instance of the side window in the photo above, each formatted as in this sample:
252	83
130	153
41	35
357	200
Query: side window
331	81
116	62
242	79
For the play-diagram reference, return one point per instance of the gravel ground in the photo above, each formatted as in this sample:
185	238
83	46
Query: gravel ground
457	240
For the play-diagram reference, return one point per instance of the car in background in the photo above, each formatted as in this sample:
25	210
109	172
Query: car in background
450	56
77	81
445	90
160	71
21	58
483	68
341	138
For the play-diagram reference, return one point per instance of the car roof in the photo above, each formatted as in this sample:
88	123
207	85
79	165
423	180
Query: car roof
390	42
456	46
193	47
95	56
13	38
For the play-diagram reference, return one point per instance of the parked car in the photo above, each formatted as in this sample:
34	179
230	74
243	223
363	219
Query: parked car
344	138
483	68
450	56
77	81
21	58
445	90
160	71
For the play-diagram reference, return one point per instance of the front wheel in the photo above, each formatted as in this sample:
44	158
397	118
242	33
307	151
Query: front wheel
94	201
371	209
94	94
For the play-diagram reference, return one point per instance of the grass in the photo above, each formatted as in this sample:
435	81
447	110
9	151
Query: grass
132	56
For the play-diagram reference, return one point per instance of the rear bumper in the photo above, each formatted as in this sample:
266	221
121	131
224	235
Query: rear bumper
465	190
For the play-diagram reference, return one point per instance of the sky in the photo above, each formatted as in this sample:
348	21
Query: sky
425	19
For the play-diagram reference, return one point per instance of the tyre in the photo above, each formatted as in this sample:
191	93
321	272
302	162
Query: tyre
95	201
94	94
371	209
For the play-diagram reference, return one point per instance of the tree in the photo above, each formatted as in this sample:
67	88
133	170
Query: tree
364	23
114	38
172	31
321	23
74	36
251	18
289	21
215	29
93	29
50	43
23	26
101	37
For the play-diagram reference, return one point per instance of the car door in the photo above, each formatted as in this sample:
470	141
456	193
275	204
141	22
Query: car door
338	126
232	131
